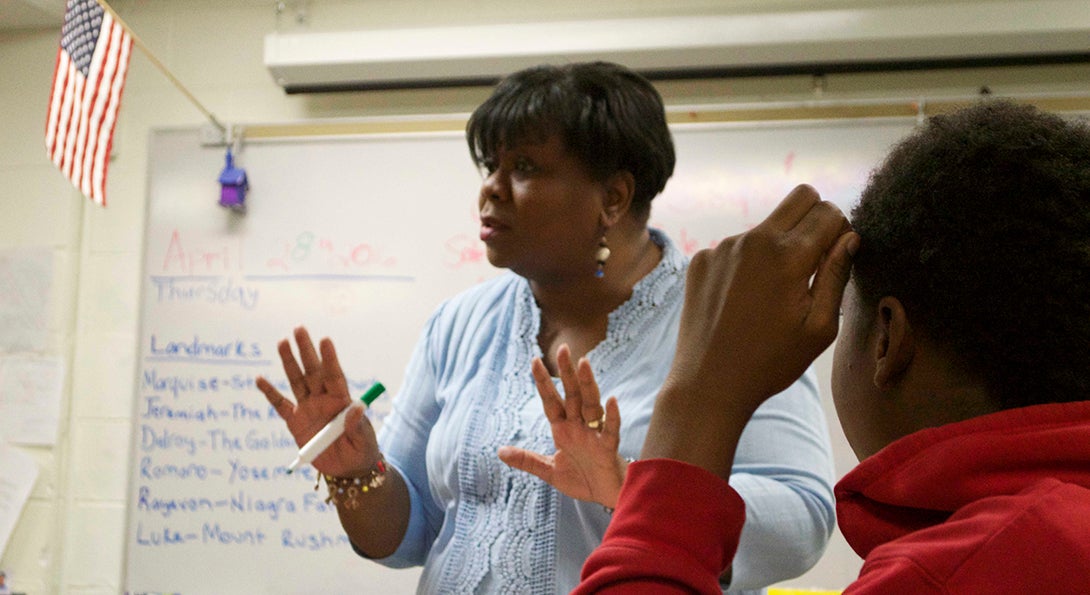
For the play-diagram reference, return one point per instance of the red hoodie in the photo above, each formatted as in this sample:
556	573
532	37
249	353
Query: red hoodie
996	504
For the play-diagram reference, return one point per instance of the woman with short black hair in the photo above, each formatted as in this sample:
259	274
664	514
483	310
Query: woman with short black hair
571	158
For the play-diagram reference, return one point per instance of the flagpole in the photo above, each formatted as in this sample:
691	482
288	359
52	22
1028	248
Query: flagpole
162	67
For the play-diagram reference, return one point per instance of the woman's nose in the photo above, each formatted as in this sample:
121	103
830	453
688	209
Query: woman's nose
492	187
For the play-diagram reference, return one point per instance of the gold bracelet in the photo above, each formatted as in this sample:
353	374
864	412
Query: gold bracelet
347	490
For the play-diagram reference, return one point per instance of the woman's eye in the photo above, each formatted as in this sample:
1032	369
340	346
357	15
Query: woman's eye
525	166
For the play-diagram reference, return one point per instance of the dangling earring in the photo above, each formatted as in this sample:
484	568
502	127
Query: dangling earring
602	255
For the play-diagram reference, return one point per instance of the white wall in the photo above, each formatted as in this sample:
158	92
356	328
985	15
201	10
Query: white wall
70	537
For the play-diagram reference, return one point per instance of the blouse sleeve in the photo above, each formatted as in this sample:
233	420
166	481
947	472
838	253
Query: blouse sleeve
403	439
783	471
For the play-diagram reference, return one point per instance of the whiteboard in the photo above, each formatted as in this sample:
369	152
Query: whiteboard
359	239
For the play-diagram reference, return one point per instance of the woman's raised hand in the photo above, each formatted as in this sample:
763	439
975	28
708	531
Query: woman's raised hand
586	465
321	392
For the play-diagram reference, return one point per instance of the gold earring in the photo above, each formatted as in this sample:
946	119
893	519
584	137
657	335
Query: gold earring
602	255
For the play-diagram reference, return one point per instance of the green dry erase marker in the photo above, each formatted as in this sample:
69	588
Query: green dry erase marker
372	393
332	430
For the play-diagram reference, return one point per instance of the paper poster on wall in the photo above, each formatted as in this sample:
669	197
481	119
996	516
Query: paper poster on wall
26	284
30	398
18	471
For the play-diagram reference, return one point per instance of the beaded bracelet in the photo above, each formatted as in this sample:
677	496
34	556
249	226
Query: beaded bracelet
347	490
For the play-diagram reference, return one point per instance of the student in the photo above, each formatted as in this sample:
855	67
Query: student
572	157
960	376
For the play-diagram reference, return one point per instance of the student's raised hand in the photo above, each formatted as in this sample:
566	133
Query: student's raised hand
759	308
321	392
586	465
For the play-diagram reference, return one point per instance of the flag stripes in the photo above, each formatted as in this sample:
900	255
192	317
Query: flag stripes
92	62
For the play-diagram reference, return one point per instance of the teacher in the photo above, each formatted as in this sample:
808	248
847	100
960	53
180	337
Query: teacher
571	158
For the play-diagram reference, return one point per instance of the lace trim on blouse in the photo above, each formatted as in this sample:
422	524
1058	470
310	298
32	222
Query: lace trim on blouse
506	523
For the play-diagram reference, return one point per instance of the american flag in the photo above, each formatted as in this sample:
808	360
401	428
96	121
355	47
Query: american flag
92	61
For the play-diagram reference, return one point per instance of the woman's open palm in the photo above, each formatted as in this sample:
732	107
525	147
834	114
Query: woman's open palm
321	392
586	465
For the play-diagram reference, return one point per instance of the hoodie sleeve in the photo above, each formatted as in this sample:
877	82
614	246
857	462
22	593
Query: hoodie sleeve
658	541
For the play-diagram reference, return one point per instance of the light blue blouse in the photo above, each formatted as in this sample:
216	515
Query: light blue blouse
478	526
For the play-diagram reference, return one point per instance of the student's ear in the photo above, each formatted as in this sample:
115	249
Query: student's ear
895	346
620	187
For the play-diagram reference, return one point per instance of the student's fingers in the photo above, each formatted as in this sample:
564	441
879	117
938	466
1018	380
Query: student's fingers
284	407
816	234
829	282
573	402
591	409
551	401
291	368
312	373
793	207
528	461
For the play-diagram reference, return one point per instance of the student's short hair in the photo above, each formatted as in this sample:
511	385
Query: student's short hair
609	117
979	223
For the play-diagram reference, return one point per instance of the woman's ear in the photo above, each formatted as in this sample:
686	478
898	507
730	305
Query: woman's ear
894	346
620	188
